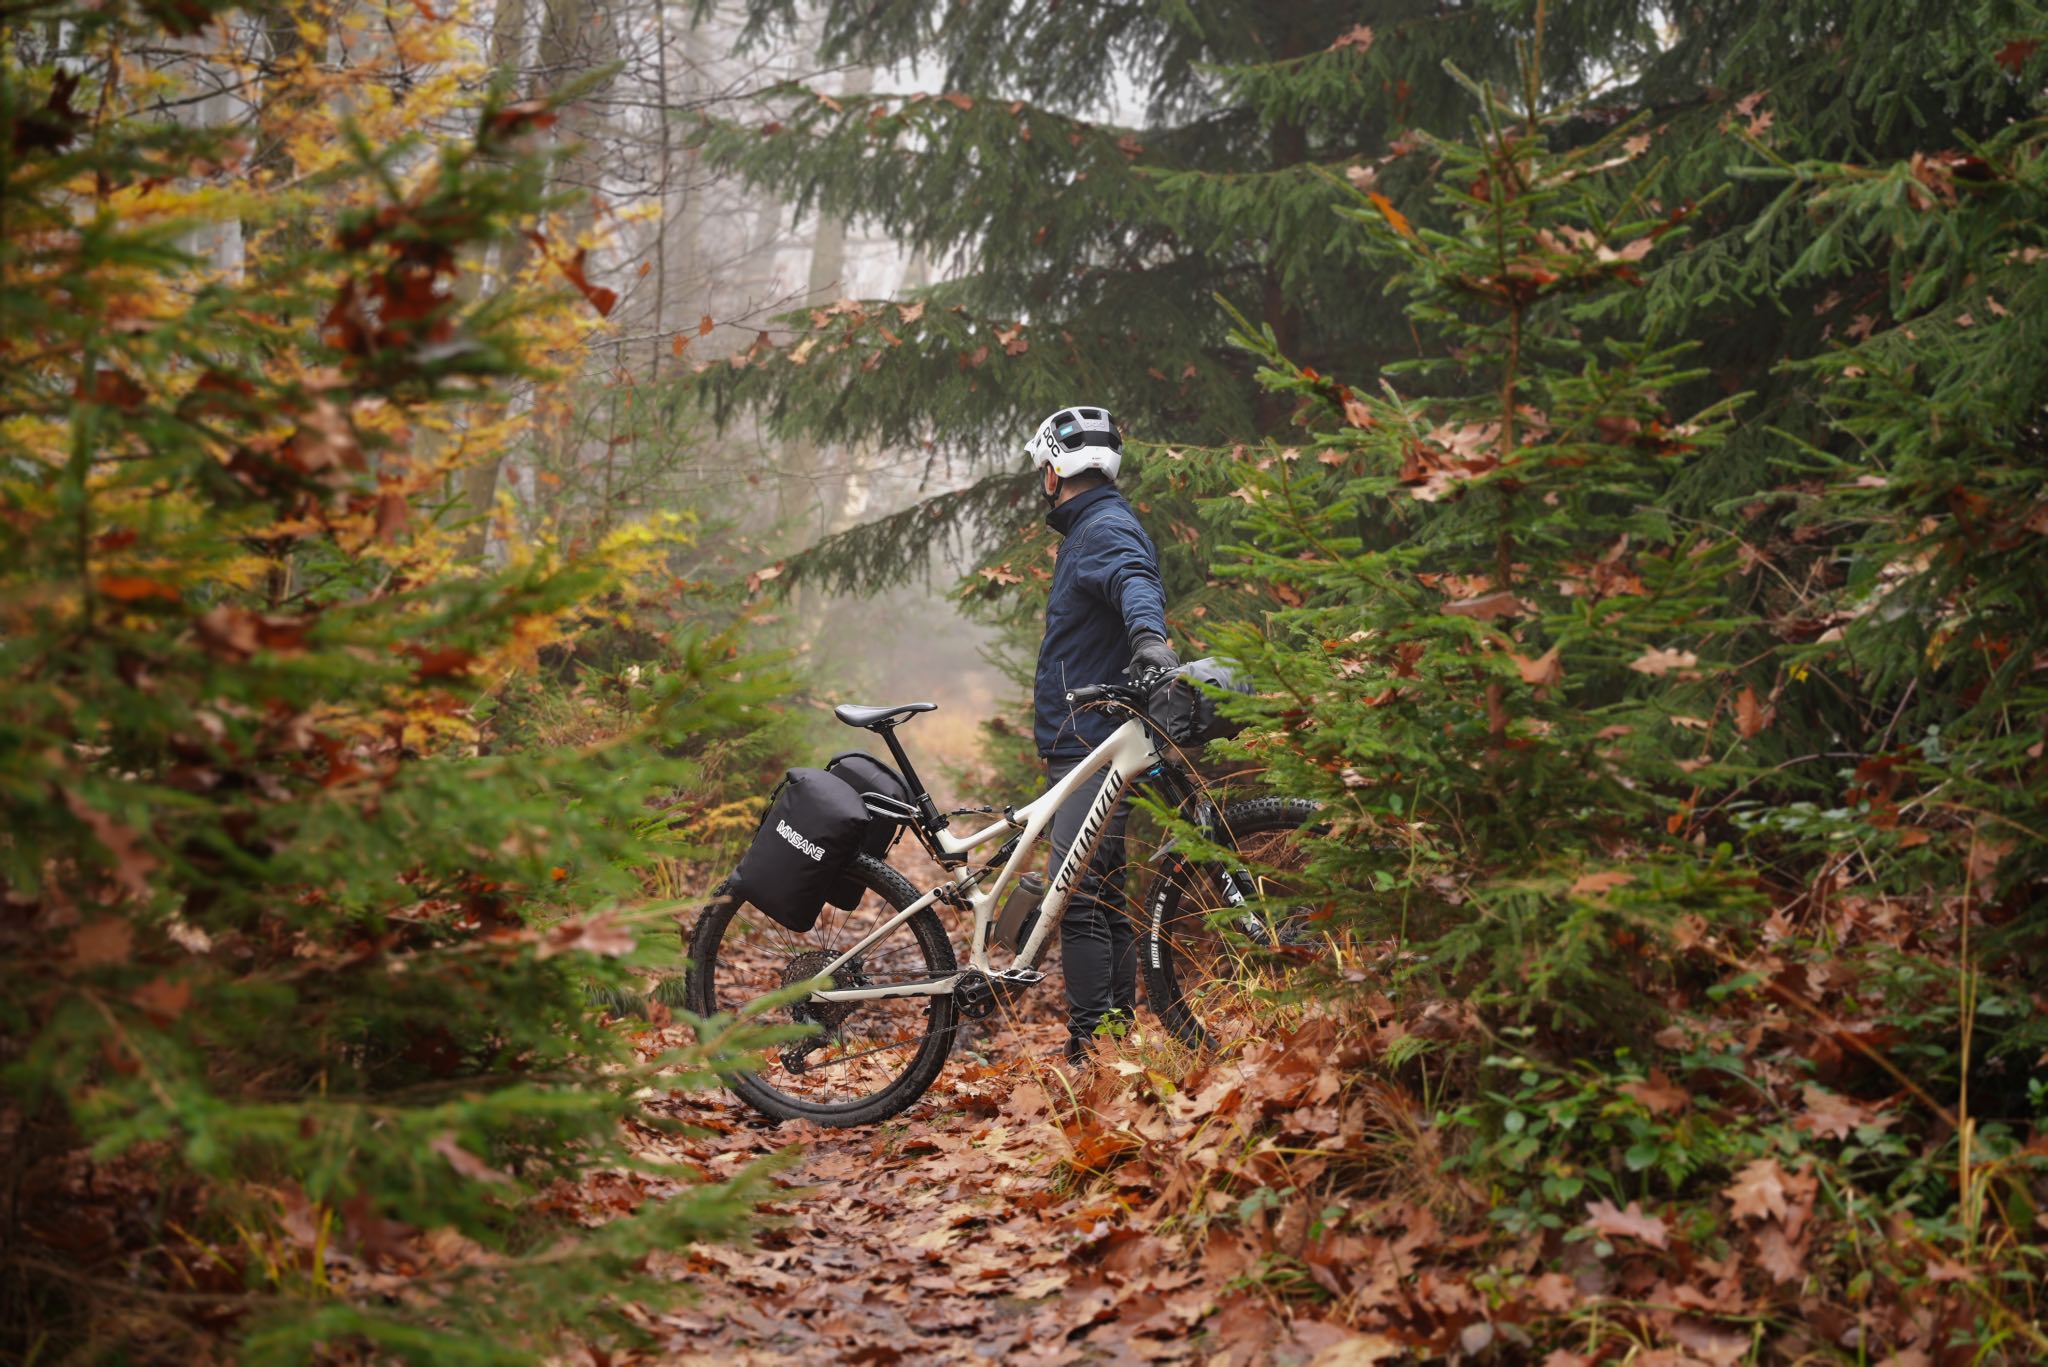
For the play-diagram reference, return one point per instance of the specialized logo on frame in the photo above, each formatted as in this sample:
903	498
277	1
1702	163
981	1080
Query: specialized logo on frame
1105	801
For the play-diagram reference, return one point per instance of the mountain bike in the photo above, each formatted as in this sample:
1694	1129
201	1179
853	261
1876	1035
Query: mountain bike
894	990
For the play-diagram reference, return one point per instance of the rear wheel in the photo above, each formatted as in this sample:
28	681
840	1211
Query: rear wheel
858	1062
1220	937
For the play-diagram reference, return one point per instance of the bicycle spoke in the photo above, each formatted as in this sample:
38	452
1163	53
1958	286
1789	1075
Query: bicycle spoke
854	1050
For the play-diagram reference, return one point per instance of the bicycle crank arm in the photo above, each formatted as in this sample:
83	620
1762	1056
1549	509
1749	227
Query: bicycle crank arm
917	987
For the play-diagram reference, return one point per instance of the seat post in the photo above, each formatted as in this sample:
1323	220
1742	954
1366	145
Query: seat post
925	806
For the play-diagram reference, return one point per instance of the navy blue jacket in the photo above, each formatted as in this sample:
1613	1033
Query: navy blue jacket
1105	587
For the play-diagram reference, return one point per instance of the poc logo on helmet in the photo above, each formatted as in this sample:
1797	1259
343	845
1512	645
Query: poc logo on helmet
809	849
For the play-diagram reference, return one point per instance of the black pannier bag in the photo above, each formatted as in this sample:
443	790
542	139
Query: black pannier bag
1187	712
814	828
865	774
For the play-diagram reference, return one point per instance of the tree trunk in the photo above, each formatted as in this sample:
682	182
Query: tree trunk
480	479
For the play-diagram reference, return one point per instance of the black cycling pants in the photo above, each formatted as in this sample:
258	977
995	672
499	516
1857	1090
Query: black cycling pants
1098	943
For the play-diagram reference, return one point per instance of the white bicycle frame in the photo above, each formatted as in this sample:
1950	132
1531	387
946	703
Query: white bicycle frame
1127	755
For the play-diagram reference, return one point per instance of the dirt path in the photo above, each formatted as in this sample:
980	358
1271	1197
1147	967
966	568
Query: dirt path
955	1233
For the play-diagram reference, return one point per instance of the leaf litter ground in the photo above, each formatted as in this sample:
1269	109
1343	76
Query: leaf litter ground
1294	1200
961	1230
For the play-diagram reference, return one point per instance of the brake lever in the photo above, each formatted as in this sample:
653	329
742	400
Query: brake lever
1150	681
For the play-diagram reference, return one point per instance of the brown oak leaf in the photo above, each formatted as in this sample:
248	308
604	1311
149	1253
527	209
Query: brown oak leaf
1659	1094
1830	1116
1758	1192
1629	1222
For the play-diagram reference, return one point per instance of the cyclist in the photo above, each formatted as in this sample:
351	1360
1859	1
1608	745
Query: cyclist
1106	613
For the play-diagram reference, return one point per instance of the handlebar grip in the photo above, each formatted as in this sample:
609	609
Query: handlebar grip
1087	693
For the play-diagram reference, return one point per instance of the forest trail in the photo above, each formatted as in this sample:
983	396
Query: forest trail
955	1232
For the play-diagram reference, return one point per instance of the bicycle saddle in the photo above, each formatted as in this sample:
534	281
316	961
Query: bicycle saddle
853	714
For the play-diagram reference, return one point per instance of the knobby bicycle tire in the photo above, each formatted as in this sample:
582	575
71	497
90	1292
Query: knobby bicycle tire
709	936
1170	913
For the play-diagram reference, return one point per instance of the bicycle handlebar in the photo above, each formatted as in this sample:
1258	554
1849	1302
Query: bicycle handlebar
1091	693
1131	694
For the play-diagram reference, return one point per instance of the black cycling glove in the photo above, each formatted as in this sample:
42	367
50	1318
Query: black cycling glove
1149	651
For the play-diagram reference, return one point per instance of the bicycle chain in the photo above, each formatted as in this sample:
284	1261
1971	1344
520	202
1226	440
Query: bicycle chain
806	1069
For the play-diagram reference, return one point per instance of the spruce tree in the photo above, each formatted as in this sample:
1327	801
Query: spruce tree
1484	645
1588	782
296	981
1090	255
1934	490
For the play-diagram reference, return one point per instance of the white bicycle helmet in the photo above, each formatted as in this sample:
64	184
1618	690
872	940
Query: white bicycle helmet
1077	439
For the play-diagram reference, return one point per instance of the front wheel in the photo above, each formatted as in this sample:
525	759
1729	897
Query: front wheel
1220	938
855	1062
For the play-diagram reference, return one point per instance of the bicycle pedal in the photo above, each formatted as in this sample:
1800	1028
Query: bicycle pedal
1017	977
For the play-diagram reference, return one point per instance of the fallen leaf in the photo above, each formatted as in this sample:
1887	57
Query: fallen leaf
1750	716
1832	1116
130	588
2015	54
1776	1255
602	299
163	1000
1758	1191
1628	1223
1658	661
102	941
515	118
1395	218
1659	1095
1486	607
451	663
463	1161
1359	37
1605	880
1983	855
598	935
1543	672
132	863
1361	1350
